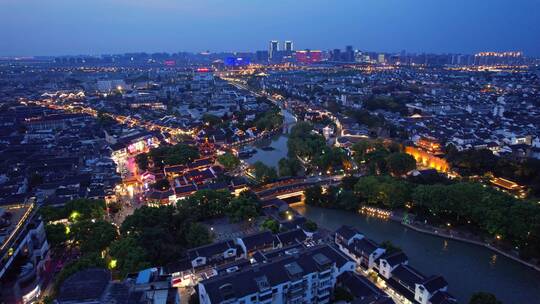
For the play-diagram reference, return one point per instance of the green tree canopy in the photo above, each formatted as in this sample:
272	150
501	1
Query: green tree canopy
484	298
310	226
270	224
400	163
264	173
129	256
179	154
314	196
383	190
198	235
79	209
244	207
229	161
142	161
206	204
160	231
289	167
211	120
93	236
57	234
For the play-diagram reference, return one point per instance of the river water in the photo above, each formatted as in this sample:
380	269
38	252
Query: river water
467	268
277	142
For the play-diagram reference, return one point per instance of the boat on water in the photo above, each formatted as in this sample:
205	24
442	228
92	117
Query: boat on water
246	153
268	148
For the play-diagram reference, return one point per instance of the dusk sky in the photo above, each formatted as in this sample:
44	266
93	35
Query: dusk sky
68	27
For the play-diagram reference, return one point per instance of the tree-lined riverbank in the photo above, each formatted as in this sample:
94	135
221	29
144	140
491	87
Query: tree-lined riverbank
468	268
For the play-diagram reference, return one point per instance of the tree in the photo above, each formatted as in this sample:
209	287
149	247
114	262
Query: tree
310	226
179	154
142	161
473	162
57	234
341	294
303	143
484	298
400	163
35	179
314	196
93	236
206	204
211	120
51	214
269	120
229	161
160	231
263	173
301	129
244	207
198	235
330	158
128	255
383	190
270	224
363	148
390	247
115	207
348	182
289	166
75	210
82	209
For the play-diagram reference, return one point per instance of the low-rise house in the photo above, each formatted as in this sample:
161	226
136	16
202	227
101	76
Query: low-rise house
258	241
213	254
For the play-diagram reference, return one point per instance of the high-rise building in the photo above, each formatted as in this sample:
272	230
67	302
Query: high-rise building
349	54
289	46
336	55
273	49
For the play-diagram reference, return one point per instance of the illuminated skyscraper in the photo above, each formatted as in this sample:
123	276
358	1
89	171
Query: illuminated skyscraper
289	46
273	48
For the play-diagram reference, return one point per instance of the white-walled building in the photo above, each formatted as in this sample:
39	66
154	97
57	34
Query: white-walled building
305	275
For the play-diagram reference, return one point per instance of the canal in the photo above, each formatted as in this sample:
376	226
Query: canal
467	268
277	143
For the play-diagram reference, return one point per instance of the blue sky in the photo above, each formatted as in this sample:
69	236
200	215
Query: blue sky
67	27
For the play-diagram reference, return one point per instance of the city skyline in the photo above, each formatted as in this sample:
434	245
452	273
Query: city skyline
60	27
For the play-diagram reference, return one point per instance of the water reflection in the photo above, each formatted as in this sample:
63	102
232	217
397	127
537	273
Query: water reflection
468	268
278	144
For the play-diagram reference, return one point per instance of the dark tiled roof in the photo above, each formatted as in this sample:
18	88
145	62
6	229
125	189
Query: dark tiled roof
291	237
359	286
395	258
84	285
407	276
346	232
258	240
442	297
434	283
211	249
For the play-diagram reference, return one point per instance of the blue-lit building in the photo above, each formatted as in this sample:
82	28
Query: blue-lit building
237	61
